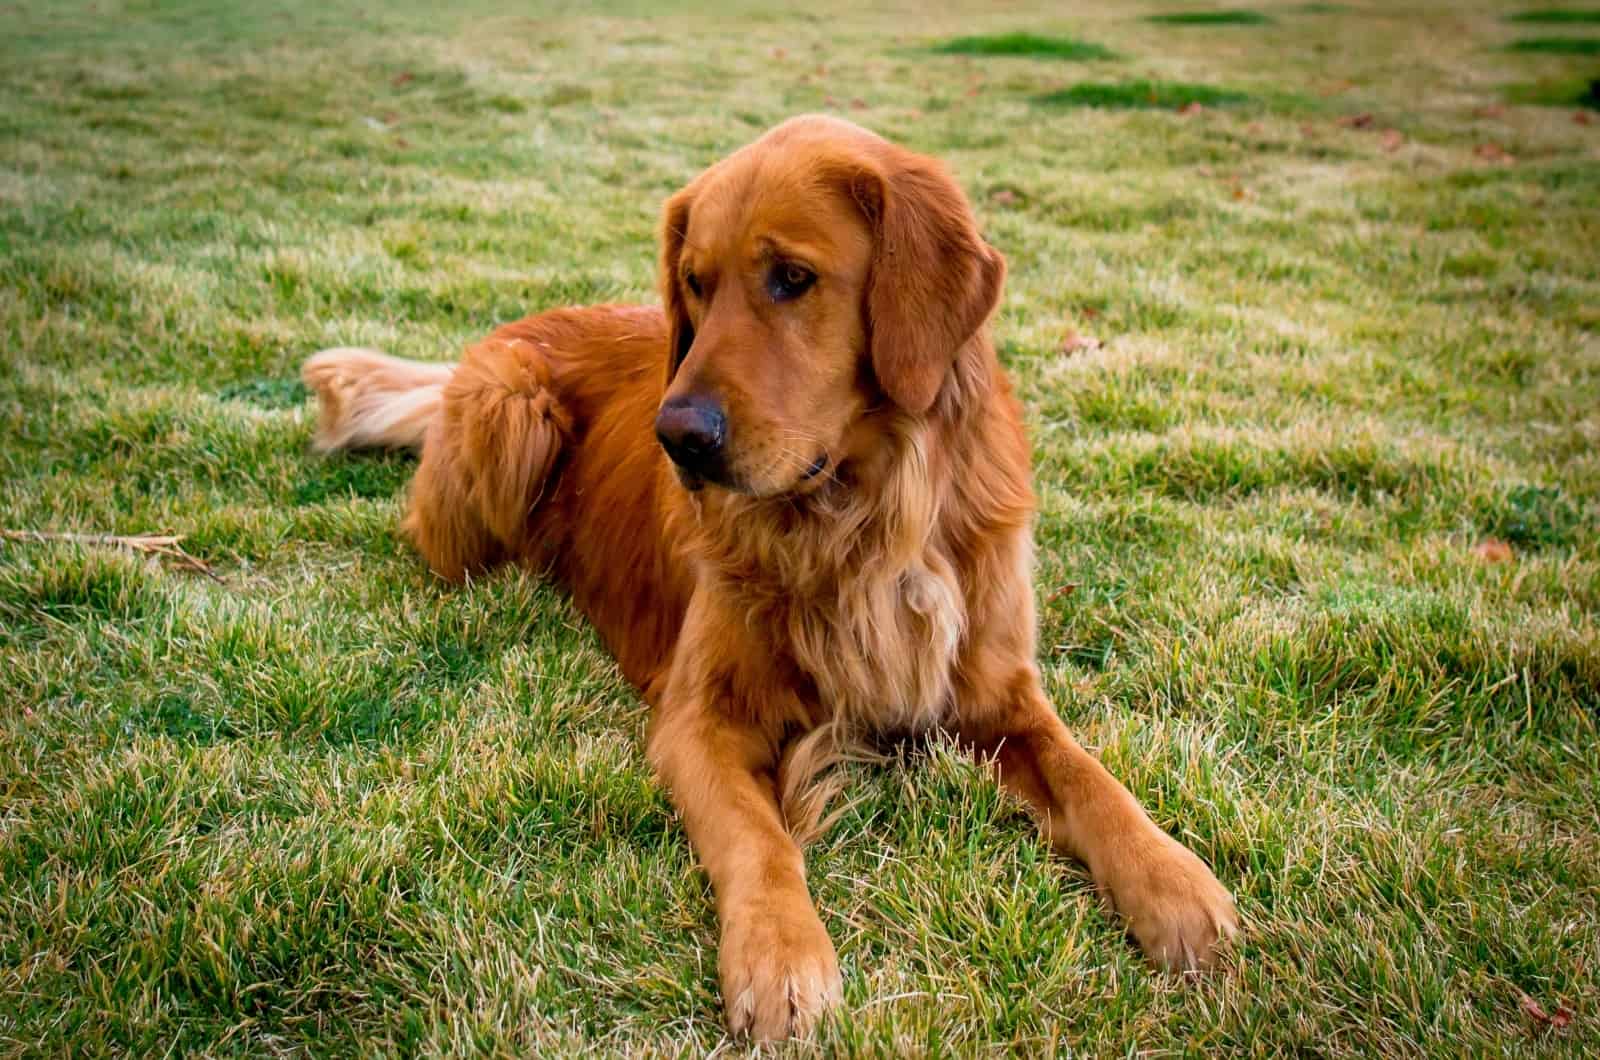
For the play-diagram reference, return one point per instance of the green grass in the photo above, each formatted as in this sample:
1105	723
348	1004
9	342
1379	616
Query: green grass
1238	17
1029	44
329	806
1558	45
1141	95
1583	92
1558	16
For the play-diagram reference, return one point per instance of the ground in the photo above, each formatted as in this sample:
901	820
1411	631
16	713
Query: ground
1304	306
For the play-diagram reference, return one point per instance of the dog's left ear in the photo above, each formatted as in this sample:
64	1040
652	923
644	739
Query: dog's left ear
934	280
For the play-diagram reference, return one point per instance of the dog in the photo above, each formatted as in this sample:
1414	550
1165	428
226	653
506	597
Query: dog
795	501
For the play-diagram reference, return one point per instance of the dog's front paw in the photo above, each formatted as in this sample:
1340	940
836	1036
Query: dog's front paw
779	972
1174	906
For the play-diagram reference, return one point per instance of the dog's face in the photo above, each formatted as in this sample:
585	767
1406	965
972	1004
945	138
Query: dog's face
814	278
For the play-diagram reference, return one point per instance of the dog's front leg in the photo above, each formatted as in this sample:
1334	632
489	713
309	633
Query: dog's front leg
1171	901
776	962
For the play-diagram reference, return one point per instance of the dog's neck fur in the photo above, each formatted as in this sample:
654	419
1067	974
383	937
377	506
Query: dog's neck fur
857	580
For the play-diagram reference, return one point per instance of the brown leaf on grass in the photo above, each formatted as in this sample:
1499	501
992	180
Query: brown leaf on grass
1392	140
1354	121
405	78
1582	117
1492	550
1063	591
1089	312
780	53
1194	106
858	103
1561	1019
1493	110
1076	343
1494	154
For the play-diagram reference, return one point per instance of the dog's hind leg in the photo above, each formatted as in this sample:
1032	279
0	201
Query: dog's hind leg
487	459
368	399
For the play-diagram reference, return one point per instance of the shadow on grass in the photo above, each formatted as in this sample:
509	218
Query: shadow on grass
267	393
1141	95
1557	16
1240	17
1025	44
1558	45
1568	93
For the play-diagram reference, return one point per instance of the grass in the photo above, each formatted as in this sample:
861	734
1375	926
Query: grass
1239	17
1582	92
1029	44
332	807
1558	45
1141	95
1558	16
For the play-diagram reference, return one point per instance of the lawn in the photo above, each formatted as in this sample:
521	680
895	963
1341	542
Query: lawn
1305	312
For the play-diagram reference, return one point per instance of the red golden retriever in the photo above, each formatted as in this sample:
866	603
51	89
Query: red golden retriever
795	501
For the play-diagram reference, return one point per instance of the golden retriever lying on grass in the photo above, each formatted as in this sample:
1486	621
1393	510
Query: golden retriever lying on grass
795	501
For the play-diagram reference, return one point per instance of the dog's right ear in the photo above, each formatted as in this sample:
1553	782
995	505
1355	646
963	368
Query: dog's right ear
680	329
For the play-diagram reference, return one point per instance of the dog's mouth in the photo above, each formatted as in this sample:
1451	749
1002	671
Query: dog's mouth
694	481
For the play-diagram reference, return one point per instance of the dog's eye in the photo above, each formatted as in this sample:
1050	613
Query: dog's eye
787	281
692	282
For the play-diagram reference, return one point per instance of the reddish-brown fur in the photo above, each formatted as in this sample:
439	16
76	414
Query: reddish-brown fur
778	616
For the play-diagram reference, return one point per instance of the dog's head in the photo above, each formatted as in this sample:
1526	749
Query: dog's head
814	277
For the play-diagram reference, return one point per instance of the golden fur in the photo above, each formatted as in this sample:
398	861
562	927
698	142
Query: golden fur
858	562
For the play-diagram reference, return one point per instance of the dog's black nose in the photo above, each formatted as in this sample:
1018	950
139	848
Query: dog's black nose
693	431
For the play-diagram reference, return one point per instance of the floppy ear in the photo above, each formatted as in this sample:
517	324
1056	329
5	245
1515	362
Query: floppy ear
680	330
934	280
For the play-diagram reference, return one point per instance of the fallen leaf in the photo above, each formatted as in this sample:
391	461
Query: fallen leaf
1354	121
401	141
1239	191
1561	1019
1255	128
1582	117
1392	140
1494	153
1493	110
780	53
1076	343
1492	550
1089	312
858	104
404	78
1066	589
1194	106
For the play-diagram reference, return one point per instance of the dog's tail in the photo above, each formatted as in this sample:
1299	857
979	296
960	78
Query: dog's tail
368	399
490	430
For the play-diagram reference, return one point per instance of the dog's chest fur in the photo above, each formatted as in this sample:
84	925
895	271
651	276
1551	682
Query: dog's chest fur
883	650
